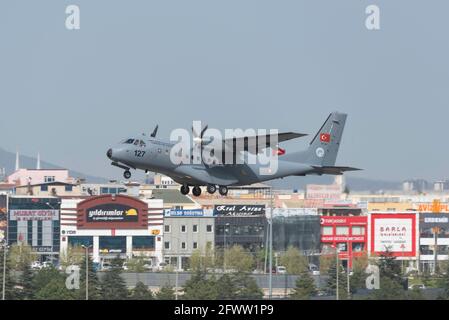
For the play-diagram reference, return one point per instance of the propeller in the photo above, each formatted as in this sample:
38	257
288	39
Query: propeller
198	140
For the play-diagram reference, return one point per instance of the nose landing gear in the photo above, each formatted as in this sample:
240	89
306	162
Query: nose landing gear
127	175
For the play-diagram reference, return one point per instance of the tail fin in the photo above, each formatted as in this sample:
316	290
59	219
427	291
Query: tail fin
324	147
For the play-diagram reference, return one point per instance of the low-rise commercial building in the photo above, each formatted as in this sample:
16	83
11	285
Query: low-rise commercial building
433	240
35	221
185	231
243	225
112	225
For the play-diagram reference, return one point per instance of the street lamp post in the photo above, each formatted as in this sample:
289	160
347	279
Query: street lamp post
227	227
87	270
5	247
270	278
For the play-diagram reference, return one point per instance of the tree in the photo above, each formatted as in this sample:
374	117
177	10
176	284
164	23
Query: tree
332	281
25	282
166	293
238	259
21	254
444	282
294	261
10	292
55	290
136	264
305	287
141	292
93	281
113	286
198	287
247	287
200	260
43	277
358	278
391	282
74	255
227	288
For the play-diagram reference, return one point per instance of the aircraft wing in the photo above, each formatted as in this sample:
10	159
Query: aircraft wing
260	142
333	170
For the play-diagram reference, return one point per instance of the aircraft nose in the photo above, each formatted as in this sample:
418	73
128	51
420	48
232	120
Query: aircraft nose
109	153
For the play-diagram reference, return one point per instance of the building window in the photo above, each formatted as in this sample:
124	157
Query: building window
183	245
327	231
195	228
358	231
183	229
44	187
167	245
49	179
167	228
143	243
68	188
358	247
342	231
209	228
195	245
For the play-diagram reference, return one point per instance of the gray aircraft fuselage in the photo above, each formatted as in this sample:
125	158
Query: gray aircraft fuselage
155	157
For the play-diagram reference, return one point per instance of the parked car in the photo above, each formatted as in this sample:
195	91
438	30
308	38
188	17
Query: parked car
417	286
281	270
36	265
125	266
47	264
316	272
106	266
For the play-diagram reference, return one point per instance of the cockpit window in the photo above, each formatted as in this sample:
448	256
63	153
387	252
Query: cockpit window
129	141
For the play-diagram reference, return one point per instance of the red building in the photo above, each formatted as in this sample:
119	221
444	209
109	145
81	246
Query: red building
348	234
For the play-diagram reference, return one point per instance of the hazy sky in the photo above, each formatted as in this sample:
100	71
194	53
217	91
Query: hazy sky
260	64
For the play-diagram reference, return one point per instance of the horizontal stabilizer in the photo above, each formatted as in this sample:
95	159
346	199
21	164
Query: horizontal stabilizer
333	170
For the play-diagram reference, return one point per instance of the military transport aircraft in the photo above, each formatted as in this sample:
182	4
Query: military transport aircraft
151	154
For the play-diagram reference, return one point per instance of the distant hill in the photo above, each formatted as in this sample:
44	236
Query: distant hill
8	161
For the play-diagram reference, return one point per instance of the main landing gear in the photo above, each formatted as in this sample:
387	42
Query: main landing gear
185	190
223	191
211	189
196	191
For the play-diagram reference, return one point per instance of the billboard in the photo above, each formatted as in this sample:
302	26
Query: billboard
34	215
3	216
395	233
184	213
323	191
429	223
112	212
239	210
345	221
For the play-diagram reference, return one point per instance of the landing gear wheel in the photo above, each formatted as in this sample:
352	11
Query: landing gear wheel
211	189
185	190
223	190
127	175
196	191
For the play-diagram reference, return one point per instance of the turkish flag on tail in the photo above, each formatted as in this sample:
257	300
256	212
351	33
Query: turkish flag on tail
325	137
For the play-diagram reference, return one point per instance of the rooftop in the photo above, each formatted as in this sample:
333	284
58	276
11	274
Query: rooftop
171	196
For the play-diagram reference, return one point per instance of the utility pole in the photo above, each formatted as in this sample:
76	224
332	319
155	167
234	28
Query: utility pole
337	271
87	270
348	270
271	244
4	272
